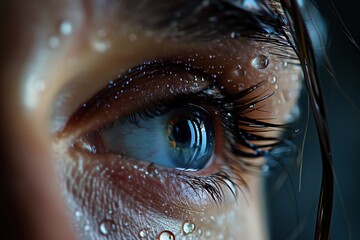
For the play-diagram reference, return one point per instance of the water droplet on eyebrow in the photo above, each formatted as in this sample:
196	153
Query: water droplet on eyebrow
107	226
166	235
188	227
65	28
260	62
272	80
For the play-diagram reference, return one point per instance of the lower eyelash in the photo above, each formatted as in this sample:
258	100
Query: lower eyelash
213	184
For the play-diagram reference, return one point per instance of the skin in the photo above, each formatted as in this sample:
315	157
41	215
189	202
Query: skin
81	194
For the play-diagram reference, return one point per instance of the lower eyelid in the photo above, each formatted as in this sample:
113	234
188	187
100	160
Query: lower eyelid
169	185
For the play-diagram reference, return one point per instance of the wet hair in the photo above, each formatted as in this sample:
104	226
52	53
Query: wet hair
308	61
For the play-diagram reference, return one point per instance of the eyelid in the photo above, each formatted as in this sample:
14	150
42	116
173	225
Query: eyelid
131	92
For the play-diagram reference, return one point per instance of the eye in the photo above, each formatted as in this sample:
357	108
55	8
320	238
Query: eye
182	137
175	130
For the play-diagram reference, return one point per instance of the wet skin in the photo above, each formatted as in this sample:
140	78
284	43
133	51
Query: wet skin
54	72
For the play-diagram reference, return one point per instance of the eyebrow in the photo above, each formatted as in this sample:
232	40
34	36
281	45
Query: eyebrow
204	20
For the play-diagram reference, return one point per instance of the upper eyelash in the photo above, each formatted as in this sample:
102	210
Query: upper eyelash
237	105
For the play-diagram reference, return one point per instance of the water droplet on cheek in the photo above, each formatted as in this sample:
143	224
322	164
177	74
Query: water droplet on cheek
166	235
260	62
65	28
188	227
208	233
78	214
106	227
272	80
53	41
142	233
100	45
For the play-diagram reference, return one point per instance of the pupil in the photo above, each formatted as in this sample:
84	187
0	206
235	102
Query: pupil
181	132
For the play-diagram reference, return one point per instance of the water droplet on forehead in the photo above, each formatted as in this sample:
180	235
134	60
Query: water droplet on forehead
166	235
65	28
260	62
188	227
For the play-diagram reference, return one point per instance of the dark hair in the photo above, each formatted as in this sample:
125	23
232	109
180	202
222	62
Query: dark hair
308	61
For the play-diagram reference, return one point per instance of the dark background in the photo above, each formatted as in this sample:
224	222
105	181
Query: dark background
292	214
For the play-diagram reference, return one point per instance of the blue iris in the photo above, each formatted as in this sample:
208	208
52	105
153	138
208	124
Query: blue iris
181	138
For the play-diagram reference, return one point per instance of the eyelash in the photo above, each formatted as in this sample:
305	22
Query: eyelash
230	109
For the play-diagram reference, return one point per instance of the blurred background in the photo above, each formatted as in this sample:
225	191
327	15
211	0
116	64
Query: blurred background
292	214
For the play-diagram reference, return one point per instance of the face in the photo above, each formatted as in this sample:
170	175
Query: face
134	122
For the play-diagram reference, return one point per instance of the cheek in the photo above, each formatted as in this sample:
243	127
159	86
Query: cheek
116	199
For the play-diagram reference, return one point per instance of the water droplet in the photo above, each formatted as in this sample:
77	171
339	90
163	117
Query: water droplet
78	214
272	80
166	235
107	227
241	86
265	168
234	34
212	19
65	28
101	33
100	45
54	41
133	37
198	233
87	228
294	77
188	227
260	62
143	233
208	233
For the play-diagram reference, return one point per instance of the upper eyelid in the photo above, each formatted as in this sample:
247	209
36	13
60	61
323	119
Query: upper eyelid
118	91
